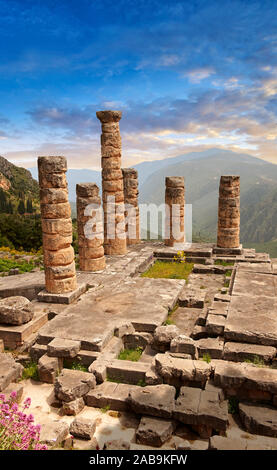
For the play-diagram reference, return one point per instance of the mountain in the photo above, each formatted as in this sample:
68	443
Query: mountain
202	175
19	192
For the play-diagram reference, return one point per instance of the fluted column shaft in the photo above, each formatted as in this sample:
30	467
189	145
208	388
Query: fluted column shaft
130	179
228	231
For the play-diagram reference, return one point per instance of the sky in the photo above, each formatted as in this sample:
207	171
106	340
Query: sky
187	75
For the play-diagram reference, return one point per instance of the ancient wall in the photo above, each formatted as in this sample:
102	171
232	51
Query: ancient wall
175	210
90	228
130	179
59	264
228	230
112	183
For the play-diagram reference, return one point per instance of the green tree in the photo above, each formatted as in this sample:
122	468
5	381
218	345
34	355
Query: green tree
21	207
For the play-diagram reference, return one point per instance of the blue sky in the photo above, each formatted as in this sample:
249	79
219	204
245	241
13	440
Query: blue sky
188	75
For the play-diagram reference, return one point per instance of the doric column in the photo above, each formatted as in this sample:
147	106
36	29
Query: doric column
90	228
175	210
229	212
112	183
130	179
59	264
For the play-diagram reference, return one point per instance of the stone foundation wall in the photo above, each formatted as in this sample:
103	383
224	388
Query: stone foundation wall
59	264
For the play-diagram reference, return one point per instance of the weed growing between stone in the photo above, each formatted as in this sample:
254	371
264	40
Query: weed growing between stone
257	361
207	358
233	405
130	354
74	366
30	372
169	320
224	263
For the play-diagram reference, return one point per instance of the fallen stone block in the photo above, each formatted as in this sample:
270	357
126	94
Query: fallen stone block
191	297
127	371
72	384
211	346
118	444
177	372
17	388
37	351
153	400
72	408
259	419
151	375
83	428
49	368
184	344
110	395
10	371
199	332
215	324
16	310
63	348
201	408
53	433
154	431
239	352
201	320
124	329
218	308
163	336
86	358
99	368
137	340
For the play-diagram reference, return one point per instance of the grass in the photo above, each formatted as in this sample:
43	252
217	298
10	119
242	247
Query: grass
105	409
169	320
257	361
233	405
7	264
228	273
206	357
130	354
224	263
74	365
169	270
226	284
30	372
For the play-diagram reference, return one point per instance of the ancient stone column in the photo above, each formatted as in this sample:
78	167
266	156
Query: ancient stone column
59	264
175	210
229	212
130	179
90	228
112	184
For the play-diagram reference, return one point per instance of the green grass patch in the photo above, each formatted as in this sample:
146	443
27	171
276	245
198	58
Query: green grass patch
257	361
169	270
30	372
226	284
141	383
207	358
224	263
169	320
233	405
67	364
23	266
130	354
228	273
105	409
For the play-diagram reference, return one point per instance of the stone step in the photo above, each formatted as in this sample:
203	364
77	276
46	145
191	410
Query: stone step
191	297
215	324
239	352
211	346
201	408
15	336
127	371
153	400
218	308
110	395
222	298
259	419
177	371
10	371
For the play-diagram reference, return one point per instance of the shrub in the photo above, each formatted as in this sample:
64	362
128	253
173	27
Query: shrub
17	429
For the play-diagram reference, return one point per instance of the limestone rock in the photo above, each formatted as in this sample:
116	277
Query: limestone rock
184	344
211	346
259	419
163	336
17	388
182	371
153	400
83	428
53	433
239	352
49	368
73	407
63	348
10	370
154	431
72	384
16	310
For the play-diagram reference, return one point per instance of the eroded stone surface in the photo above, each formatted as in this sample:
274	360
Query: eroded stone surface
49	368
83	428
156	400
259	419
16	310
53	433
163	336
177	371
72	384
10	370
154	431
239	352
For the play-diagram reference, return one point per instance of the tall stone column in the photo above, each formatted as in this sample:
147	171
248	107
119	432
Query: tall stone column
90	228
130	178
112	184
59	264
228	230
175	210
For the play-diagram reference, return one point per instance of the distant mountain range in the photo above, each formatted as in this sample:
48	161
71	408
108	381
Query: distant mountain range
202	171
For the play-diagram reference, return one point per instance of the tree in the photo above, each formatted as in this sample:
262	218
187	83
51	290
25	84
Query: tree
21	207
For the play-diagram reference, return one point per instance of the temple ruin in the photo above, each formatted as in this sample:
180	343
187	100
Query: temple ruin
187	361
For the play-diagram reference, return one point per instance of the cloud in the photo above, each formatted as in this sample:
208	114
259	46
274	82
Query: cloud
197	75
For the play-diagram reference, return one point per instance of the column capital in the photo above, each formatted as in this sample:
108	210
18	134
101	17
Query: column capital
109	116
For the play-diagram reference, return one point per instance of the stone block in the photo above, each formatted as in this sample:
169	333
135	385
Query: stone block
163	336
239	352
153	400
177	371
215	324
154	431
72	408
53	433
72	384
259	419
16	310
63	348
184	344
83	428
49	368
10	371
211	346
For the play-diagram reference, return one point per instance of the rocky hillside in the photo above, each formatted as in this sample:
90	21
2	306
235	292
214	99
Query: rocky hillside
19	192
